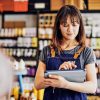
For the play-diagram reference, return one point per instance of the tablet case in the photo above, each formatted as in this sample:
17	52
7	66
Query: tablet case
70	75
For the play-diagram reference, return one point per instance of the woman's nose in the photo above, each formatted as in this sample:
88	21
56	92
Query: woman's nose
70	28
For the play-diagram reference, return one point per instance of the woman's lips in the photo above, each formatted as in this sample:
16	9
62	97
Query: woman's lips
69	34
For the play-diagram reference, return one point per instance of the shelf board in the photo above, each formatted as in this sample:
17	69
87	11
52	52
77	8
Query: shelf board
8	38
92	37
96	94
46	27
82	11
14	47
1	37
46	11
32	76
26	58
44	39
90	11
12	12
95	49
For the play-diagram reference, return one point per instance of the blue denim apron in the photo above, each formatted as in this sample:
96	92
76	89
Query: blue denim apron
50	93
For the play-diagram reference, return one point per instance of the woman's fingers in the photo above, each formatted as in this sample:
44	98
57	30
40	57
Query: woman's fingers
73	64
67	65
45	82
54	77
63	67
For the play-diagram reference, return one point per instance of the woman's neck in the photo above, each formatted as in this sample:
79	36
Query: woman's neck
69	44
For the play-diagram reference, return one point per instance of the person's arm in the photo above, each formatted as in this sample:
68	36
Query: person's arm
40	82
89	86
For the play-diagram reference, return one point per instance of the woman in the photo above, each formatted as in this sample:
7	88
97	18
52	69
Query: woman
69	43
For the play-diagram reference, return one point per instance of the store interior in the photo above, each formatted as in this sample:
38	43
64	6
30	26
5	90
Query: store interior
26	26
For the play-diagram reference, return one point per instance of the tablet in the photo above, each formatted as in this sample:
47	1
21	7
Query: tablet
70	75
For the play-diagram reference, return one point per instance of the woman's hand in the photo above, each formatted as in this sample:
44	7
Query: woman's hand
67	65
45	82
56	81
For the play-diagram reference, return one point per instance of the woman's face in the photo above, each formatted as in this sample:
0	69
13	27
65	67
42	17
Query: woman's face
69	29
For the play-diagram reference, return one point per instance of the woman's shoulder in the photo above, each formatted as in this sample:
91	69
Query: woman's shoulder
88	50
46	48
49	47
89	55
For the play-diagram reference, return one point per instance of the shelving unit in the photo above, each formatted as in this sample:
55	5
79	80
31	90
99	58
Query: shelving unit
43	25
16	40
19	41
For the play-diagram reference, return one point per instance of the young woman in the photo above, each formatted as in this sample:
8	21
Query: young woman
69	43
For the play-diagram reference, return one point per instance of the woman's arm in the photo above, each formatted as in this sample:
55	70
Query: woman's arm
40	82
87	87
90	85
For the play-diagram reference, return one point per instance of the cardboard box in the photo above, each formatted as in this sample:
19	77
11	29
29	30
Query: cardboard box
94	4
12	24
7	5
19	24
20	5
56	4
79	4
1	7
9	24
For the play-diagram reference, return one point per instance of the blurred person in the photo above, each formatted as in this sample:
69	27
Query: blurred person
6	77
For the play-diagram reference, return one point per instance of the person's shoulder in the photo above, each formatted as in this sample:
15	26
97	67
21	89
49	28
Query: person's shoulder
89	55
88	50
46	48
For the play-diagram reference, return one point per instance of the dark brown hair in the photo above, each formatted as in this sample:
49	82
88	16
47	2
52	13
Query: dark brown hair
62	15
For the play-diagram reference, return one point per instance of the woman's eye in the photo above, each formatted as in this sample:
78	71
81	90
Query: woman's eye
65	25
74	24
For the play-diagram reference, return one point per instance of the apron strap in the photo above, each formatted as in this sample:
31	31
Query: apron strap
76	55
